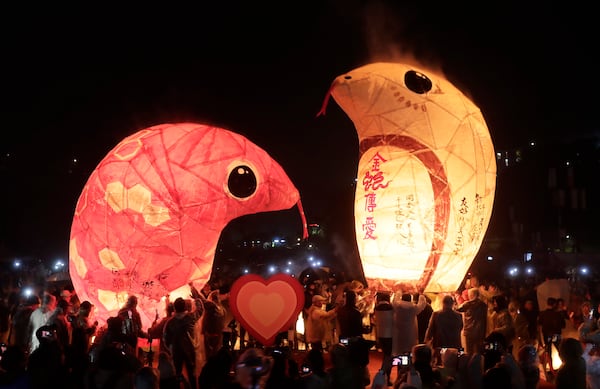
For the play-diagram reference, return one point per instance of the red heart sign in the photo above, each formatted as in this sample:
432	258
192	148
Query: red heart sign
266	307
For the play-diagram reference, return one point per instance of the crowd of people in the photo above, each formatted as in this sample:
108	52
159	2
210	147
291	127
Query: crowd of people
480	337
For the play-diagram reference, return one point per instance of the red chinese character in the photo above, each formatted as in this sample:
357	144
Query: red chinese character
377	160
370	203
369	228
374	181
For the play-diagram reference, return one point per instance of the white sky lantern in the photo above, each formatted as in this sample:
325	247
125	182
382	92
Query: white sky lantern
426	175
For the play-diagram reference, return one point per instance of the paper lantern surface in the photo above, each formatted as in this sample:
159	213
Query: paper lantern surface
149	217
426	175
266	307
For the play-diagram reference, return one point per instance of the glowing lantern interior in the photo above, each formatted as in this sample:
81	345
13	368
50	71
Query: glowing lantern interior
426	175
149	218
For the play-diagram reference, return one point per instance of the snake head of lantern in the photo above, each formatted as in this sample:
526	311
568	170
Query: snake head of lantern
149	218
426	176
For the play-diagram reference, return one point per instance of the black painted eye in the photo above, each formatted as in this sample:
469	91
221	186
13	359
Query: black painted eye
241	182
417	82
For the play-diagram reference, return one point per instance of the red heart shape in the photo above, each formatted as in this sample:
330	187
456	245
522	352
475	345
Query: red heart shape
266	307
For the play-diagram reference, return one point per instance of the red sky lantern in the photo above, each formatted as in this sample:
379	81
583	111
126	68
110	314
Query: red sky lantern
426	175
149	218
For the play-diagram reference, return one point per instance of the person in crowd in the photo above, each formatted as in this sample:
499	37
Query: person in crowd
13	368
19	332
157	328
572	373
58	319
528	361
39	317
422	363
405	322
81	333
561	307
551	323
212	325
178	338
474	321
343	373
316	325
46	365
349	318
215	372
132	322
497	377
589	335
364	300
166	372
526	325
583	315
449	369
463	296
279	376
230	333
384	327
498	350
423	318
312	371
501	319
252	370
147	377
198	315
66	295
474	368
445	327
350	322
115	366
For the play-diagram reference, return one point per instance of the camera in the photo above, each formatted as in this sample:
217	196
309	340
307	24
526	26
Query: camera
401	360
47	334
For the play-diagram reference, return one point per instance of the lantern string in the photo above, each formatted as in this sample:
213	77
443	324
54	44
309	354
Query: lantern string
325	101
303	217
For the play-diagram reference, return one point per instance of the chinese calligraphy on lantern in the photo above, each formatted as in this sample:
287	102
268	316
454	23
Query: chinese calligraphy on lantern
405	217
476	229
373	180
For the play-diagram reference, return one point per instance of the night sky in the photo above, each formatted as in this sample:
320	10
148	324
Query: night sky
75	82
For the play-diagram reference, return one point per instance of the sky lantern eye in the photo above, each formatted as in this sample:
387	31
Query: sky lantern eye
241	181
417	82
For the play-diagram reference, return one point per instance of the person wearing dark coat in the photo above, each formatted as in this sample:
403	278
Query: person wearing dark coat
349	318
423	318
179	339
132	322
445	326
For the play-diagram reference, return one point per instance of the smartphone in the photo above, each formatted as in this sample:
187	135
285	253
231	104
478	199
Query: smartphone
401	360
344	341
461	351
46	334
305	369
